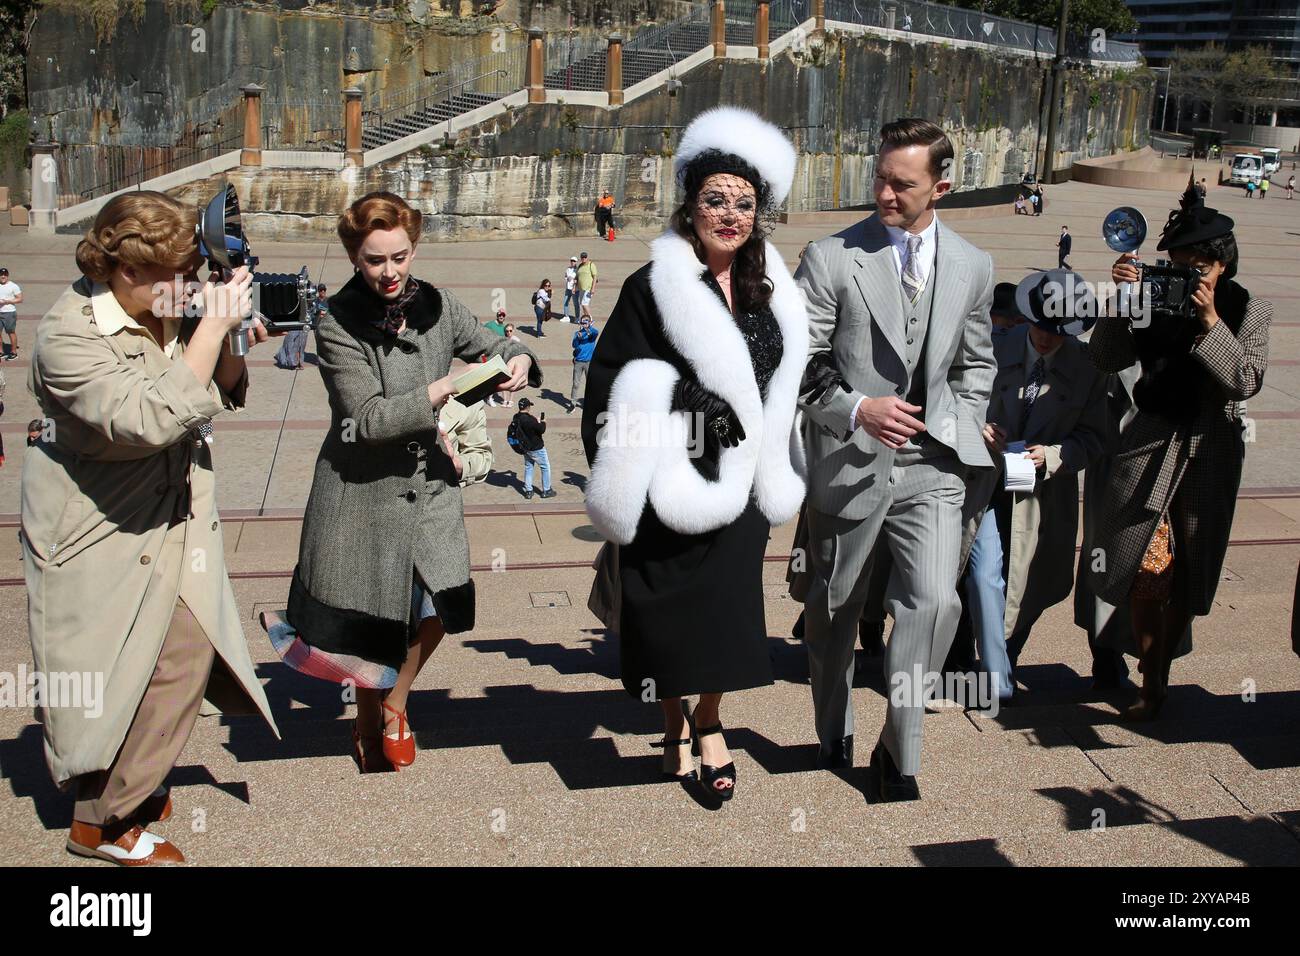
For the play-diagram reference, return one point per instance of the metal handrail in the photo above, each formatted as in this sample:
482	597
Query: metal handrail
441	95
191	156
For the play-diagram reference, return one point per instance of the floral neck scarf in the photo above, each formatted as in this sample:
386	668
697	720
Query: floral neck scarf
395	312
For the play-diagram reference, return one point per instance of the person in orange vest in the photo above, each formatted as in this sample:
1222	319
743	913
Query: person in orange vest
605	216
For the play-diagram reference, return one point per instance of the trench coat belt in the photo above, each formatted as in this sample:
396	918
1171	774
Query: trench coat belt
1173	458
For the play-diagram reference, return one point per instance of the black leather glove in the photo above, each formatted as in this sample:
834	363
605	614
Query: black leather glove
719	419
820	378
720	425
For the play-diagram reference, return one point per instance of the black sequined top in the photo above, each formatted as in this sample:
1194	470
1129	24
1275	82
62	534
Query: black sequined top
762	334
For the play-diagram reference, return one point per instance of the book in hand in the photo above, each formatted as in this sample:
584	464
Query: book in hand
480	381
1020	472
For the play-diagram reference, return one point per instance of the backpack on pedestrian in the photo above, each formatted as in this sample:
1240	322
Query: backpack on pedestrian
513	438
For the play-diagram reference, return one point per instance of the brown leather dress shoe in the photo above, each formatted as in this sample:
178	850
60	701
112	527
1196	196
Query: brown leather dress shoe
132	846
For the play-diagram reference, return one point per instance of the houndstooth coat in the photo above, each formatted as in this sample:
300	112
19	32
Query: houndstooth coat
1189	471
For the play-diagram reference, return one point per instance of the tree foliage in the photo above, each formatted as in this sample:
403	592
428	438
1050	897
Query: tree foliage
15	17
1085	15
1211	76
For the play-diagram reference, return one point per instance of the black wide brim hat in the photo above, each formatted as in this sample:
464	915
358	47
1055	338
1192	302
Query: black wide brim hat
1057	301
1193	222
1004	298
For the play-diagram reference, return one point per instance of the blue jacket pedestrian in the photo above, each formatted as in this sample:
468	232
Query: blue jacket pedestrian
584	343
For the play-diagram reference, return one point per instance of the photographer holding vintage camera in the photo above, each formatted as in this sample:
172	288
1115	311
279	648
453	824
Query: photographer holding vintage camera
1201	342
125	568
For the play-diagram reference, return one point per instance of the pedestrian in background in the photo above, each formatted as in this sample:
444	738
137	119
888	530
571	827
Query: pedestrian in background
542	304
530	431
10	296
584	346
605	216
570	290
1063	248
586	283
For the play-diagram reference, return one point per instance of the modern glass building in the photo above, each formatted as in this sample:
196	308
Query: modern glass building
1167	25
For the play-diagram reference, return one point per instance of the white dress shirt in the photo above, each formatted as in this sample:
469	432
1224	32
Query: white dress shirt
925	260
925	255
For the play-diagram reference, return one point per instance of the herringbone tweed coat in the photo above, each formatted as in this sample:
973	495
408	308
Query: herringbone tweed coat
1190	471
385	502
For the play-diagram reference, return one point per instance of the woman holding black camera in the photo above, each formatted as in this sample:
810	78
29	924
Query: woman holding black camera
689	428
1176	475
126	578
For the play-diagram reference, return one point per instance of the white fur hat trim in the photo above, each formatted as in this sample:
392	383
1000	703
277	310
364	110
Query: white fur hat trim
742	133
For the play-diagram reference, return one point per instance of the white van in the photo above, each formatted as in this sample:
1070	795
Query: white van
1272	160
1247	168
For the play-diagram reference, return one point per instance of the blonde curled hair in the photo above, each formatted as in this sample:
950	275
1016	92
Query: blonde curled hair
140	229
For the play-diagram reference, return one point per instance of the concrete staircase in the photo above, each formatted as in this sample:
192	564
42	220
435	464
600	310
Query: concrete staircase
661	49
424	117
639	63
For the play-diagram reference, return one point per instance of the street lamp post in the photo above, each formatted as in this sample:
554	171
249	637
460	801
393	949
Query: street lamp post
1054	107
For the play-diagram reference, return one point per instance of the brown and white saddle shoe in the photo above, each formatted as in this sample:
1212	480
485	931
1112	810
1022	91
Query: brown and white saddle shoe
133	846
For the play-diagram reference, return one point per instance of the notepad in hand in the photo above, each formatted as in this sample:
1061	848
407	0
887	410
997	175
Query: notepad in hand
1020	471
480	381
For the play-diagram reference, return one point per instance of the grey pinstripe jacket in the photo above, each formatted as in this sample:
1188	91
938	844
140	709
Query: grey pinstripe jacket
855	313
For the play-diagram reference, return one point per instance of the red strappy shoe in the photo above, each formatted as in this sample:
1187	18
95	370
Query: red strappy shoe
399	750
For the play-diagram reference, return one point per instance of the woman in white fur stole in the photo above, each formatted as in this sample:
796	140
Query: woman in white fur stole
689	427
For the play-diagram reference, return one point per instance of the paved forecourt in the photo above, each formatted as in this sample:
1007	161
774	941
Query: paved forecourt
534	754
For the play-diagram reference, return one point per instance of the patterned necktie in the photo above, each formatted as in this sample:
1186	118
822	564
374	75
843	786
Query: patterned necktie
913	281
1033	386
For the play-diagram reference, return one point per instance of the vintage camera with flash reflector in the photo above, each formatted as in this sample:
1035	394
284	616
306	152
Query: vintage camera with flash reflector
282	302
1165	288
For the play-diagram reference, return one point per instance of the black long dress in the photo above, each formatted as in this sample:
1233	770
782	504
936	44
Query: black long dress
692	616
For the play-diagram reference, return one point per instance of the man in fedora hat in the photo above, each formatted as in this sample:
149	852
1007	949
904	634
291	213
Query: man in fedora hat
1049	405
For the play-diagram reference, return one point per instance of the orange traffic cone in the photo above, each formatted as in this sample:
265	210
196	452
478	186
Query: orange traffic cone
610	236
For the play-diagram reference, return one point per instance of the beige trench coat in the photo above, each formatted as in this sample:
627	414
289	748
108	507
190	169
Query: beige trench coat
466	429
1069	419
104	563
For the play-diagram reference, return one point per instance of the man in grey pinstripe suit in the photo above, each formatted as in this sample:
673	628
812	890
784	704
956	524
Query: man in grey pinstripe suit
900	371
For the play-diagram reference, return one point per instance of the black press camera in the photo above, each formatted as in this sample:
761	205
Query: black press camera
1166	288
282	301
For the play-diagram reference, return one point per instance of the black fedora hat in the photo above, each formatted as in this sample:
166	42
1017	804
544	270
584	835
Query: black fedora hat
1057	301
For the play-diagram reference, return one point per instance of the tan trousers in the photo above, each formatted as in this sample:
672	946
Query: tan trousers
159	731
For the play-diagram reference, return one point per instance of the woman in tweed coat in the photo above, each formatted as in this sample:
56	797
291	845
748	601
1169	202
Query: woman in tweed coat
383	567
1179	464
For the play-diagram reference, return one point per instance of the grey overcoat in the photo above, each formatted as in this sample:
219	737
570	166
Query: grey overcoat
385	502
